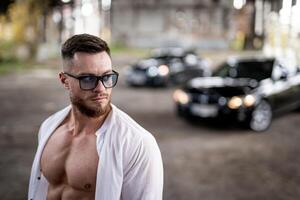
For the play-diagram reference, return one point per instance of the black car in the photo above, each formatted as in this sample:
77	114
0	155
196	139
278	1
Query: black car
167	66
249	91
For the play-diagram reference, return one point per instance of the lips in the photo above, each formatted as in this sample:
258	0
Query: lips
99	98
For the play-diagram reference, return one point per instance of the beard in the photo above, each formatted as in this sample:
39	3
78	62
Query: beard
89	111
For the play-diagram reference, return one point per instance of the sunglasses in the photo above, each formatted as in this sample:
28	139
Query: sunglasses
90	82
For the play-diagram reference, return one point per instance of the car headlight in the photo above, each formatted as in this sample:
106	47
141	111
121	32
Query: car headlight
152	71
249	100
236	102
163	70
181	97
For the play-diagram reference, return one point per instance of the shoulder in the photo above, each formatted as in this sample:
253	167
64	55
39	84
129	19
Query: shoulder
133	134
53	119
129	128
56	116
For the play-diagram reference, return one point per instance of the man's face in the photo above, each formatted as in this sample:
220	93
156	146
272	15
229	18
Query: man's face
95	102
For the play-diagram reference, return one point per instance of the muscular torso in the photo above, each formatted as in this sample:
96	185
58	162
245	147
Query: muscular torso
69	163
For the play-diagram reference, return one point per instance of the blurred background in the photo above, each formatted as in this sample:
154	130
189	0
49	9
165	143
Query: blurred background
159	47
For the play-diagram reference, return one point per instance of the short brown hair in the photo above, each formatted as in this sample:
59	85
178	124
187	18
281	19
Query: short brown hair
83	43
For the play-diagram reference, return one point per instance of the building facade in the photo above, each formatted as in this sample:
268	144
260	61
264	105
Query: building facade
152	23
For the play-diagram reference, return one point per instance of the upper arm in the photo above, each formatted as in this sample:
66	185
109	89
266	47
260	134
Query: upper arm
143	173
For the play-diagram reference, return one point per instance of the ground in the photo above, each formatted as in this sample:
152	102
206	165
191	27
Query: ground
205	161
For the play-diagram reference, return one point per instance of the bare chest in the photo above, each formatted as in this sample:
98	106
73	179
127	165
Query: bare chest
72	161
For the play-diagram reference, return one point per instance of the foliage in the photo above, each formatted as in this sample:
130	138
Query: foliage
6	51
13	65
4	5
24	17
23	21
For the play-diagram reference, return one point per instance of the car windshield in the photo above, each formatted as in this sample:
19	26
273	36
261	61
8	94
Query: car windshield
258	70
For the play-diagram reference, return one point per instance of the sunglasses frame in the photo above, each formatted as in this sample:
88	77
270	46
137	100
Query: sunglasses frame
99	78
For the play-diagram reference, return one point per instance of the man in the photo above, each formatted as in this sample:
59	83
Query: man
91	149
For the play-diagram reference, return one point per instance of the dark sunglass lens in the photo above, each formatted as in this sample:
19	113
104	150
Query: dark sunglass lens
88	82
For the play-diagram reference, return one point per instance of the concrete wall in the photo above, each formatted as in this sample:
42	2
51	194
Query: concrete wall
153	23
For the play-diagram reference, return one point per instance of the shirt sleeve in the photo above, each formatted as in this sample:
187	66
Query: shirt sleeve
143	174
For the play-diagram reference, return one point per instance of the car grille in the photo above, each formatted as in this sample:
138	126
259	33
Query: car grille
205	98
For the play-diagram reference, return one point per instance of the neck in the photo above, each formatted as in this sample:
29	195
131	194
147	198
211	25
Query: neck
84	124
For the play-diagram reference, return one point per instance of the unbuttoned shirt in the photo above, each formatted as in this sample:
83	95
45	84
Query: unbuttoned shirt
130	164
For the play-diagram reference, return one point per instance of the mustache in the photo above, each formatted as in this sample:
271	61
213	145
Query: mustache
99	95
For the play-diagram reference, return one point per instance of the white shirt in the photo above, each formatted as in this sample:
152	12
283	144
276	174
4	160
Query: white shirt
131	165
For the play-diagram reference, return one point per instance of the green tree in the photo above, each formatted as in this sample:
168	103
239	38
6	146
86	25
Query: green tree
27	22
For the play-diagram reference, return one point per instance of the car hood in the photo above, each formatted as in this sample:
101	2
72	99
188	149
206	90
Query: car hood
224	86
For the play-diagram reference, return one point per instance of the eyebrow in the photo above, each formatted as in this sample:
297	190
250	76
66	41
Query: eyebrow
89	74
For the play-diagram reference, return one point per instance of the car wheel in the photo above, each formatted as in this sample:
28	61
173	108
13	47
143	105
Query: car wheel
261	117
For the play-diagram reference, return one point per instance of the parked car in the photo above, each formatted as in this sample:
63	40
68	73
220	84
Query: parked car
249	90
167	66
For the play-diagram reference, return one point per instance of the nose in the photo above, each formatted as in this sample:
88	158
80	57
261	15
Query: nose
100	87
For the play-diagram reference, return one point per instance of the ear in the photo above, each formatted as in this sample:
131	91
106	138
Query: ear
64	80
